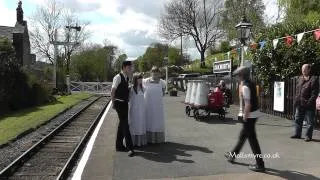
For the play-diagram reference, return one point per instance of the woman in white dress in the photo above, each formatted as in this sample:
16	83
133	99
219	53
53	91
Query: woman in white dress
137	114
154	92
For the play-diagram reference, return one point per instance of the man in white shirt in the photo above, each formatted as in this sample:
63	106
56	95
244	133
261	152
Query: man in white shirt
120	99
250	116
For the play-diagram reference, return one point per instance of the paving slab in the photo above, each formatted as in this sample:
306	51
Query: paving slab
194	150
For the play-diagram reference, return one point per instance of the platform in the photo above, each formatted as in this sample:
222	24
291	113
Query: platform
194	150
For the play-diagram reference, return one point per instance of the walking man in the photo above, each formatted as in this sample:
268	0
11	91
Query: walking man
250	116
120	98
305	102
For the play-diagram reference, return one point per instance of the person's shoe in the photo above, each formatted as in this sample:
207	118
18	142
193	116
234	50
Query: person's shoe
257	168
131	153
307	139
229	157
295	137
121	149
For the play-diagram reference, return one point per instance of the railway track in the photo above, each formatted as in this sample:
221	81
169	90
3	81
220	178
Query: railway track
53	157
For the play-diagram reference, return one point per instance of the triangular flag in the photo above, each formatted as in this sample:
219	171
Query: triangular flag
289	40
317	34
245	48
262	43
254	45
299	37
239	50
275	43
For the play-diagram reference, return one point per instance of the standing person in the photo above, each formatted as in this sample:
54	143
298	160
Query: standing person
120	98
226	92
154	92
249	119
137	113
305	102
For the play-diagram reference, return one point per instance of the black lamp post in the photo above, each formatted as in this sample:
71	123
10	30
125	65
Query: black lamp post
244	32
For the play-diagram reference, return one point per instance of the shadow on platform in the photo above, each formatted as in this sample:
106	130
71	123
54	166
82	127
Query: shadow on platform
169	151
214	119
285	174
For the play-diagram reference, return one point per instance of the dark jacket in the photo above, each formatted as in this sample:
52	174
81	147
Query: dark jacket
122	91
307	92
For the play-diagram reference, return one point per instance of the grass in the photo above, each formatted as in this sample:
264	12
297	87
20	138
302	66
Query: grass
16	123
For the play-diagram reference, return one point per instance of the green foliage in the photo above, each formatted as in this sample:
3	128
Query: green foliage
119	60
93	64
225	46
17	89
174	57
233	11
195	68
299	7
285	62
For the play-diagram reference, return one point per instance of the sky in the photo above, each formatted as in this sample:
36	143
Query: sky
129	24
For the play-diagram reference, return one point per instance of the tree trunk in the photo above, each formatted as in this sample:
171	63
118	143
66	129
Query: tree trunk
202	60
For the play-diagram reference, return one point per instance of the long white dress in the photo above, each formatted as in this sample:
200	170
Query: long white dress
137	118
154	111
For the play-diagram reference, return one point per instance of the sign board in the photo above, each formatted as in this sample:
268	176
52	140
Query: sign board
278	95
222	66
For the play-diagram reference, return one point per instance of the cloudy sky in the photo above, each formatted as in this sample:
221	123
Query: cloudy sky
129	24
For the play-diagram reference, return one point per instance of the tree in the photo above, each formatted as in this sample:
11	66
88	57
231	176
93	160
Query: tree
17	88
198	19
154	56
50	17
45	21
299	6
297	10
235	9
175	57
285	61
120	59
94	62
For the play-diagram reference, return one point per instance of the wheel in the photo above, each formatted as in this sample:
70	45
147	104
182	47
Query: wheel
208	113
196	114
188	110
222	114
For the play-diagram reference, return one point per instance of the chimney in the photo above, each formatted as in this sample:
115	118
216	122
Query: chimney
20	13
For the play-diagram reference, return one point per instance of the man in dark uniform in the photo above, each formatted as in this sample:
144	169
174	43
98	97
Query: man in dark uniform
120	99
249	117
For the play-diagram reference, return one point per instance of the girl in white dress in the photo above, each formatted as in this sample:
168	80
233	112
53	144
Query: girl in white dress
154	92
137	114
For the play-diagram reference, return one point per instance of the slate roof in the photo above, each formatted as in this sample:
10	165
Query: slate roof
7	32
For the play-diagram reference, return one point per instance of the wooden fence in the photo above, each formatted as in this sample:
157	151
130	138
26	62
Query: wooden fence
265	100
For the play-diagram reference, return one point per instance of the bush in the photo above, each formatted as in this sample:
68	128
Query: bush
284	61
18	89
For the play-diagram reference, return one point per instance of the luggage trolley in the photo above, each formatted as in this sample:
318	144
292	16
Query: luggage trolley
204	101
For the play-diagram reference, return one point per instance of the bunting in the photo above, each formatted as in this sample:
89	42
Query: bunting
253	46
317	34
245	48
289	40
299	37
275	43
262	43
